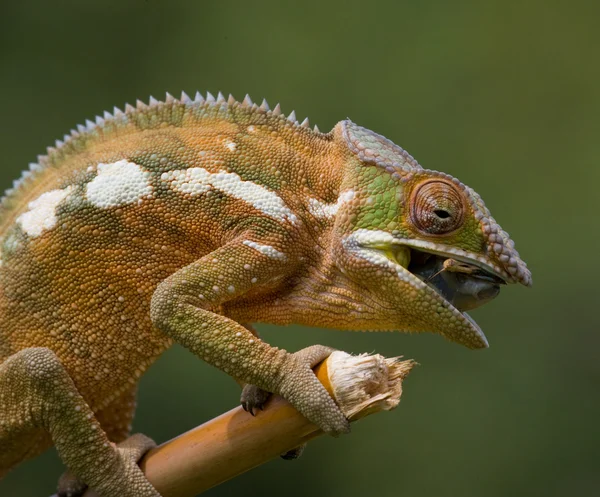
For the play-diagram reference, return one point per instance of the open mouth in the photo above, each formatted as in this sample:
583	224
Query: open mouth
455	279
462	283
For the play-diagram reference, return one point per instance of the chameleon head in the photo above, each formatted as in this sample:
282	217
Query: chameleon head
423	243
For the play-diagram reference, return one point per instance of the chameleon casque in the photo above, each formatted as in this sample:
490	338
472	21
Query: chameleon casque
186	221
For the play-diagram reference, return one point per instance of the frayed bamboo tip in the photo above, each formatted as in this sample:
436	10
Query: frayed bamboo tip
235	442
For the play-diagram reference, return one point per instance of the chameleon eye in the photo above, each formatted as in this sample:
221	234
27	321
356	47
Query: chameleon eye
437	207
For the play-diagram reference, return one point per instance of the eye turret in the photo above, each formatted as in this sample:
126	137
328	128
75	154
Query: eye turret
437	207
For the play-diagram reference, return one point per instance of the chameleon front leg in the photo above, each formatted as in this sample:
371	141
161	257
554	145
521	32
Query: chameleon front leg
39	396
183	307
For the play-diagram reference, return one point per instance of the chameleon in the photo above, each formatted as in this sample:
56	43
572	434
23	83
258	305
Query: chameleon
187	220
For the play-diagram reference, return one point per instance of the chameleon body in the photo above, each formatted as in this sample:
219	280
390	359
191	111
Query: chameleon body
186	221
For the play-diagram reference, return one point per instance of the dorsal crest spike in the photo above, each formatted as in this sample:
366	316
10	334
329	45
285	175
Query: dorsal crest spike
316	129
134	117
185	98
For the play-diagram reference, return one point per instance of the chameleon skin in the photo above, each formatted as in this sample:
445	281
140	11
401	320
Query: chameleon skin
186	220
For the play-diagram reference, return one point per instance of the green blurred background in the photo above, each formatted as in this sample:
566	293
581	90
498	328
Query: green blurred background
505	97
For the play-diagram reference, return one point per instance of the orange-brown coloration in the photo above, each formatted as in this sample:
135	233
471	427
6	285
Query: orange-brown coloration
180	221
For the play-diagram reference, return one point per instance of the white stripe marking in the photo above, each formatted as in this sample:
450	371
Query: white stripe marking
197	180
324	210
267	250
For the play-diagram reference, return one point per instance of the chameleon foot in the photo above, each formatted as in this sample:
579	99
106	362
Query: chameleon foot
130	452
301	388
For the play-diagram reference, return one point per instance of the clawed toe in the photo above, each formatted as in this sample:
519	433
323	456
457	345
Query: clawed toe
253	399
293	454
70	486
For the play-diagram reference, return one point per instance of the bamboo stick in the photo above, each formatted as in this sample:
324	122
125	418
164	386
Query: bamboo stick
235	442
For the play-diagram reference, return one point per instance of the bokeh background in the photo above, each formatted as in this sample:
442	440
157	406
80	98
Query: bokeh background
504	95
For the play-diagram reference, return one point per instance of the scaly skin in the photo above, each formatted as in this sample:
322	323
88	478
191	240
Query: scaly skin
182	220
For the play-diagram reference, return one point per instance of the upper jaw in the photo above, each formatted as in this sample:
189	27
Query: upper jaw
382	240
481	262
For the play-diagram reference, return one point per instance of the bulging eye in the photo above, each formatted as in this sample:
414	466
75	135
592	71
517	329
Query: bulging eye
437	207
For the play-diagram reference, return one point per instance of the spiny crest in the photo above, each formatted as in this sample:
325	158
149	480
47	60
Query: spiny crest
171	109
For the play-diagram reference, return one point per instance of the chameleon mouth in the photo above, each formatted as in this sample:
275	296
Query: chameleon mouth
453	282
465	285
461	285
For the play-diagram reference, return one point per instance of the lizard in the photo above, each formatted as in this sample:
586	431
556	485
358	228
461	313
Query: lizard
187	220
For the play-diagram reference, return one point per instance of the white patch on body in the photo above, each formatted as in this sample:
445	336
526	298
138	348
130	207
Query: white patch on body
193	181
197	180
267	250
41	215
118	183
321	209
230	145
324	210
